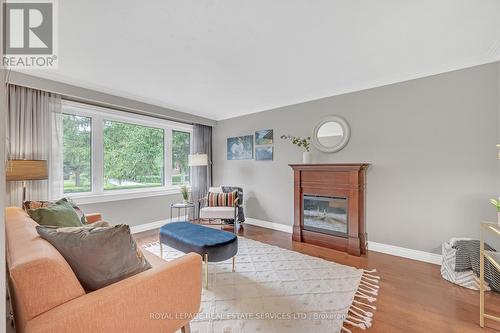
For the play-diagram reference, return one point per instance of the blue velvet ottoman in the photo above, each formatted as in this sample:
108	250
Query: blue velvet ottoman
212	244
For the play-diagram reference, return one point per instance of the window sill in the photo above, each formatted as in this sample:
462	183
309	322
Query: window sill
117	195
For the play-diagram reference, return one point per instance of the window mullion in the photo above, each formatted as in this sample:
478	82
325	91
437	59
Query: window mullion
98	155
167	151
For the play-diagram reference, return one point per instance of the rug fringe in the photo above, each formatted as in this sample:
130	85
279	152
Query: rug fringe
371	276
345	329
364	304
371	291
357	316
367	321
364	312
369	284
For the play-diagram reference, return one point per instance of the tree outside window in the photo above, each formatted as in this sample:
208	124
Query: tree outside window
180	151
133	156
77	154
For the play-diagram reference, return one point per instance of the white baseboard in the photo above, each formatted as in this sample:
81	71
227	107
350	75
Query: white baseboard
269	225
398	251
372	246
404	252
154	225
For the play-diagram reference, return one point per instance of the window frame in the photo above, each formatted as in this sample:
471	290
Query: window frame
98	115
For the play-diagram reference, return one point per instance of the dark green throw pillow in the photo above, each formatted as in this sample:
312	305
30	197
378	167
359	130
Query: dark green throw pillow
99	256
60	214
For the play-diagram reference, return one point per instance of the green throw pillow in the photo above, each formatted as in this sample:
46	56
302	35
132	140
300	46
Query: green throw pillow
60	214
35	204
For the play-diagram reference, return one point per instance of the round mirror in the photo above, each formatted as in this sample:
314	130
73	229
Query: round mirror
331	134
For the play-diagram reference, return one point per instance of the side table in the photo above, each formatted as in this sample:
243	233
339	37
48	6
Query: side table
182	206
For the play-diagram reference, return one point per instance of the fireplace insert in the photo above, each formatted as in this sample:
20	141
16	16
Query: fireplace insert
326	215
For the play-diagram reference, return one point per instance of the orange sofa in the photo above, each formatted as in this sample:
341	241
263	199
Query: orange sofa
47	296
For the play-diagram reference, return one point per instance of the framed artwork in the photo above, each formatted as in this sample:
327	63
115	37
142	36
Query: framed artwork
264	137
240	148
264	153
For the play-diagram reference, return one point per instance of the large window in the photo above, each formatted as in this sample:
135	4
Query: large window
133	156
77	154
108	152
180	151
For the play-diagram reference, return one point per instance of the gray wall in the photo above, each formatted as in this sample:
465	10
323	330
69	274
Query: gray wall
135	211
431	143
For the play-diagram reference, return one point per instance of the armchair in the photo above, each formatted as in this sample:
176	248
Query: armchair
209	213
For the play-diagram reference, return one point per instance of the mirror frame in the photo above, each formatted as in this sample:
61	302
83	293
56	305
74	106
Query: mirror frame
345	139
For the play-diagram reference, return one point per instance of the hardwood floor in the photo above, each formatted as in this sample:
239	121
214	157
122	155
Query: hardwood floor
413	297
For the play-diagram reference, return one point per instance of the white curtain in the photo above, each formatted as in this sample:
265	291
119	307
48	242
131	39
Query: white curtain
34	132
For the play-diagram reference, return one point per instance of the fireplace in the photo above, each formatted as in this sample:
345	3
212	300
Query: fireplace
329	206
327	215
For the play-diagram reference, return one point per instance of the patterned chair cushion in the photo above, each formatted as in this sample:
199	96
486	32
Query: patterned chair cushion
216	199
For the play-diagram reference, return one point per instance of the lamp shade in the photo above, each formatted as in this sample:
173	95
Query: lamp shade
26	170
198	160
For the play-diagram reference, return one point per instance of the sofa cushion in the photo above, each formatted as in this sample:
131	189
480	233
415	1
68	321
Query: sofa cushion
60	214
99	256
40	278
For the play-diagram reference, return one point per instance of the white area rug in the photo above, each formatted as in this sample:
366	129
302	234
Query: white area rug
277	290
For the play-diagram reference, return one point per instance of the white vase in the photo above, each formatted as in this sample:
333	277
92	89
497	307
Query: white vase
306	157
498	218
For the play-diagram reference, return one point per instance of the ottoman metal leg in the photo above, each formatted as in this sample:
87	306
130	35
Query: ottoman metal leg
234	264
205	257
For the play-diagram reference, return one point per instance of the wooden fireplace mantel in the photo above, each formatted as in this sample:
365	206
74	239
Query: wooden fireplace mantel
343	180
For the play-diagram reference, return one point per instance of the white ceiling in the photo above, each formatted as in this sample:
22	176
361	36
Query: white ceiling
224	58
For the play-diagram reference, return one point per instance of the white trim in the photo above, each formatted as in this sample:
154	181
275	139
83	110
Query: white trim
393	250
88	110
118	195
404	252
398	251
98	116
269	225
153	225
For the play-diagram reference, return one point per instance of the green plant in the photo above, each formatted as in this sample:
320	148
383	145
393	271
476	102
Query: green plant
298	141
496	203
184	192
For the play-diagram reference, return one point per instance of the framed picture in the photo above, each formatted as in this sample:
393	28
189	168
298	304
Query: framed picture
264	153
264	137
240	148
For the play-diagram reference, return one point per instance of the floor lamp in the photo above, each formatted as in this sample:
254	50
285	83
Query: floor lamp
199	160
26	170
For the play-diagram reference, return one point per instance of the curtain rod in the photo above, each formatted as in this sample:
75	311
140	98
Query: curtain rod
122	109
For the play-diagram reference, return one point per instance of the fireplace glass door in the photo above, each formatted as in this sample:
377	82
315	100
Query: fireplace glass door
327	215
